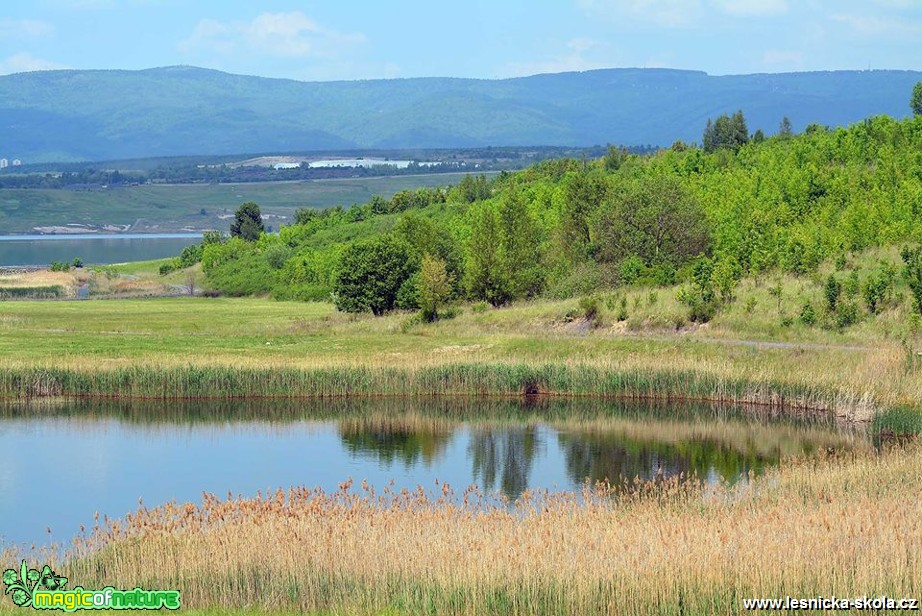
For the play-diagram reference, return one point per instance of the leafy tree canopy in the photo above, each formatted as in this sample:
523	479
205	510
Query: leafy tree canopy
371	273
248	222
726	132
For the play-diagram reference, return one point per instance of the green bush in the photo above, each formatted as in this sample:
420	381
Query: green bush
700	296
169	267
622	310
808	314
750	305
831	291
876	290
663	275
371	274
247	274
277	254
846	314
912	273
725	278
408	295
590	310
190	255
631	270
852	285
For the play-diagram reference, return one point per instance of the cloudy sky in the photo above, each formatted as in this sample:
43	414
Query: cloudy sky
362	39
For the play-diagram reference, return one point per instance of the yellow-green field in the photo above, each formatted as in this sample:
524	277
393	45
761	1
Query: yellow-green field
545	343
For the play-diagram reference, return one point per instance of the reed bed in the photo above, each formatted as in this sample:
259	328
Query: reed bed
848	526
451	379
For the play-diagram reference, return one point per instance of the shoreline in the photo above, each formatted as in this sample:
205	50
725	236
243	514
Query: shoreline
478	380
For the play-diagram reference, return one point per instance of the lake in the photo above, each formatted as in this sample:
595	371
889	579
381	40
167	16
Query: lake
93	248
61	462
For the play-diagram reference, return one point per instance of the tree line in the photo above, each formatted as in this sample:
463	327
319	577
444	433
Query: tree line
706	216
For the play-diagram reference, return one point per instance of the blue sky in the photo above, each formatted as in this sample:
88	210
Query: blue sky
361	39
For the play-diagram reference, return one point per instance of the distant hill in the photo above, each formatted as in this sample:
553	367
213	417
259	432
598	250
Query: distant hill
105	115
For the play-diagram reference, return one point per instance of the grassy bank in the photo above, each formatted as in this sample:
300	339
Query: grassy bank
464	379
194	347
846	526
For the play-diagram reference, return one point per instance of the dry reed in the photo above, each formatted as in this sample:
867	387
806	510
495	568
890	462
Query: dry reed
844	526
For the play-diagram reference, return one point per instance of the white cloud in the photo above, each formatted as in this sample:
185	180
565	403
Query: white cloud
24	62
898	4
659	62
748	8
666	13
291	35
80	5
24	28
572	59
781	58
682	13
869	26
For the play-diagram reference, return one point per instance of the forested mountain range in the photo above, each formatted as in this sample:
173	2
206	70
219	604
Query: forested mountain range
92	115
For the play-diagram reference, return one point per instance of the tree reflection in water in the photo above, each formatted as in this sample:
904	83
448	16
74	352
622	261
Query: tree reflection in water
614	458
504	455
388	442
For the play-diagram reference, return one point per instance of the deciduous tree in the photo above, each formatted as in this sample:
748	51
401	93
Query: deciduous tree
654	218
434	287
371	273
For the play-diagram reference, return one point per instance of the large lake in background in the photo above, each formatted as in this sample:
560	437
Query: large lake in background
92	248
62	462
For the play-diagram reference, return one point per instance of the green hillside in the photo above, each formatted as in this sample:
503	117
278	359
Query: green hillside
105	115
562	228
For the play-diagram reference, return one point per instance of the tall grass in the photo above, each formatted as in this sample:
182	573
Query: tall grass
458	379
44	292
846	526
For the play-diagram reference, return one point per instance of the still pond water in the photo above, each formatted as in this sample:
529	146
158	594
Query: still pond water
60	464
92	248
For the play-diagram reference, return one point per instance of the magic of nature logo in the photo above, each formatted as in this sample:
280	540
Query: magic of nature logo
45	590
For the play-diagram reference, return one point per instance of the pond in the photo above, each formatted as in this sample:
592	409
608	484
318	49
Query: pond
92	248
62	462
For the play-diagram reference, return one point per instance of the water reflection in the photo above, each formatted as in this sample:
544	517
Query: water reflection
114	453
503	457
611	458
388	441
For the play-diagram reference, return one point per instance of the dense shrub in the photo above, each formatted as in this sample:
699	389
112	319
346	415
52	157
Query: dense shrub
371	274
